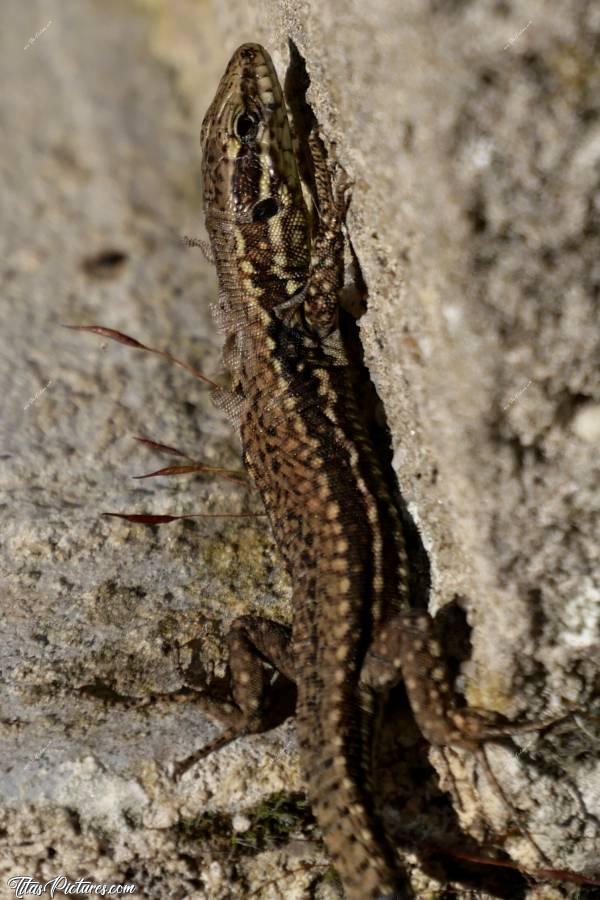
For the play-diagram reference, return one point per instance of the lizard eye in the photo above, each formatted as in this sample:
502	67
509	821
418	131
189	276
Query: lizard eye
246	126
265	209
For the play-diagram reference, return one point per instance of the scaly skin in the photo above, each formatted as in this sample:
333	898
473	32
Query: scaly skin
280	272
292	403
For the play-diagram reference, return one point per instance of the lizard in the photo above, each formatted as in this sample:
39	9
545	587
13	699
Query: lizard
276	224
279	254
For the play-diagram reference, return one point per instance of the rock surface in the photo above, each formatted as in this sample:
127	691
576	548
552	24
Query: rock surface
472	135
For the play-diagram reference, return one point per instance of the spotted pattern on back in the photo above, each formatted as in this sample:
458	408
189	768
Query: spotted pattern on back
292	400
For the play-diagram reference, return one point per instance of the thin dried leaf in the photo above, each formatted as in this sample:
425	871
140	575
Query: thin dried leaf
164	448
143	518
174	470
131	342
112	334
197	467
146	519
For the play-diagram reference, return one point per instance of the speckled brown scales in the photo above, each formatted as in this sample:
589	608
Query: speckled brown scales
280	271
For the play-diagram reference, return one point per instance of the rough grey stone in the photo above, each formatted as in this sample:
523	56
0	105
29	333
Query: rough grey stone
472	136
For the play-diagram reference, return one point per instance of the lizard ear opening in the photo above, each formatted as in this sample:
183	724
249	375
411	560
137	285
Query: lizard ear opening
265	209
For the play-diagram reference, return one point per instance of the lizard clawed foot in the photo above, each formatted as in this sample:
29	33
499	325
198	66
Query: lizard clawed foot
473	726
242	726
180	767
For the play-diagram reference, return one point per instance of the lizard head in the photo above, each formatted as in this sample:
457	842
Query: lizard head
251	184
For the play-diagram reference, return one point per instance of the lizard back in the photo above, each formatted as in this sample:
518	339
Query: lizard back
280	268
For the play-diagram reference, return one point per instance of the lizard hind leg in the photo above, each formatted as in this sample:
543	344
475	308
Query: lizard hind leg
407	647
253	641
